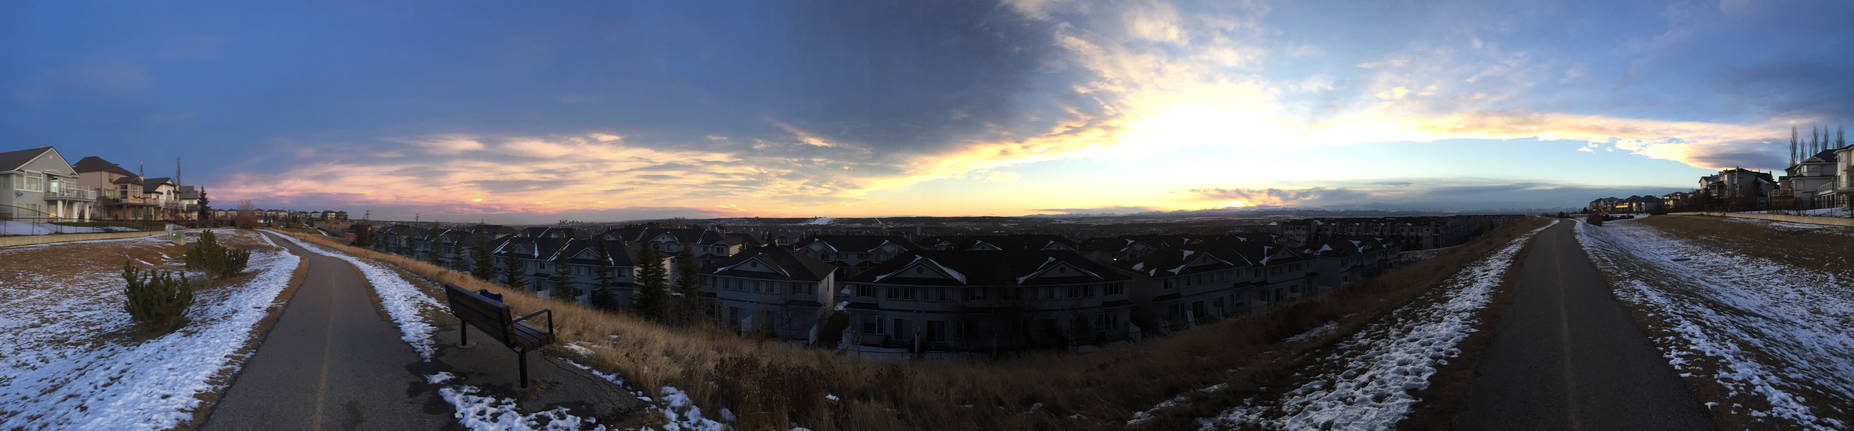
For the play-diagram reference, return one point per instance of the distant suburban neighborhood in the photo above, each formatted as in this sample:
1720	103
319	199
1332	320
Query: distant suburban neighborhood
905	294
46	187
1819	181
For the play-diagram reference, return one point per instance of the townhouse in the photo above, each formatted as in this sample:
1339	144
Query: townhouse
855	253
533	249
1177	288
583	263
773	291
988	301
38	184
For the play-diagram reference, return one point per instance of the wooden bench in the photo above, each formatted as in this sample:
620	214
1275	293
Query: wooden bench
494	318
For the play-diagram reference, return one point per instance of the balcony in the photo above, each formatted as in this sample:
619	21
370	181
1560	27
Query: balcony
71	193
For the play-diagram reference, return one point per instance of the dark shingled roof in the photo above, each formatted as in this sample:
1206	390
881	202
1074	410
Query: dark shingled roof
149	185
858	243
795	266
94	164
15	159
1029	242
1008	267
620	255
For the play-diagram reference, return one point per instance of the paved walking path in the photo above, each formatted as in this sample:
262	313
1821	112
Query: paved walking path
331	362
1567	356
334	361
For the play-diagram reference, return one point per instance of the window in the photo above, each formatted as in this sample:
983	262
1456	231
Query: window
975	293
872	325
1117	289
33	183
894	293
865	290
909	293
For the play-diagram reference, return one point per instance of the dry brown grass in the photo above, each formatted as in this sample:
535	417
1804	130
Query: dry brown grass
50	269
1267	370
772	385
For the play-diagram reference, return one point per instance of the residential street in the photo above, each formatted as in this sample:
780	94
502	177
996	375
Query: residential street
1567	355
331	362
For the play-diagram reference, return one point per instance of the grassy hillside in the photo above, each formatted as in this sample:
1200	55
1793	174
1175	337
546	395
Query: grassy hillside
772	385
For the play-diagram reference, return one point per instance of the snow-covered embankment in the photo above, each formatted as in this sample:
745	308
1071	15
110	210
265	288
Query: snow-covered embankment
1775	336
67	362
1367	380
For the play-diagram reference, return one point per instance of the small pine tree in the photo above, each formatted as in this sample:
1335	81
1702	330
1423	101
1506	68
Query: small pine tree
563	281
156	298
602	297
205	209
512	276
484	261
215	259
689	283
651	284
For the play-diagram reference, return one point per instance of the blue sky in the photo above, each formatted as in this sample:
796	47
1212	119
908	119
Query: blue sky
647	109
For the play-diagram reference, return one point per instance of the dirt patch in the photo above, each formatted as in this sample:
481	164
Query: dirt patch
1825	248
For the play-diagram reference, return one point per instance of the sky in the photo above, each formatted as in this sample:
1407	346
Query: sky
602	111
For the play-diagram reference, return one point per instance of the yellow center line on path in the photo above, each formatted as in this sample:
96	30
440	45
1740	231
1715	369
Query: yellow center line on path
1564	338
321	385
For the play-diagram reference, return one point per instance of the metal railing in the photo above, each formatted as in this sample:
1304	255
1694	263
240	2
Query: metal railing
72	193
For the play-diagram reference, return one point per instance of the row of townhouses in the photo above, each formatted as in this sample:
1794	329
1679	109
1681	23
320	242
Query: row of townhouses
946	294
43	185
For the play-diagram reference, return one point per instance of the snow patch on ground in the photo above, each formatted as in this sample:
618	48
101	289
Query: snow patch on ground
1315	332
674	405
1384	362
488	413
66	363
402	300
579	348
1776	332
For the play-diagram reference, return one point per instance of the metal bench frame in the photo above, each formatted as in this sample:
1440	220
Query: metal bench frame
495	318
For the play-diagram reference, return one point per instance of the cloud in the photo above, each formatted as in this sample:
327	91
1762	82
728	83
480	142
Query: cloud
102	82
1106	210
1431	194
1276	197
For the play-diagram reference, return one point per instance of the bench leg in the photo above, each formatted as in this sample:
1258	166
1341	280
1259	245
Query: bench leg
463	333
523	355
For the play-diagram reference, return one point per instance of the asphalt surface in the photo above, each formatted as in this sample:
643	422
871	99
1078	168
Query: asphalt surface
1567	356
331	362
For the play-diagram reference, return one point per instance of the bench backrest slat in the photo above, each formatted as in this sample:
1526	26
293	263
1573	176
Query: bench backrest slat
493	318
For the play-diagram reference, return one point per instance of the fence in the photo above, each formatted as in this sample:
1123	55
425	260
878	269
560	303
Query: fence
18	240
